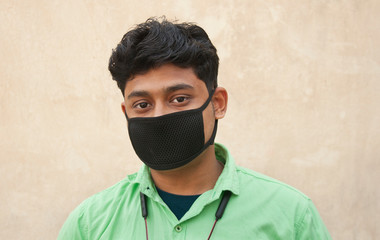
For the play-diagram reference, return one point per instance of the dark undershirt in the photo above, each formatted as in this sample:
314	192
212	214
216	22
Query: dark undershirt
178	204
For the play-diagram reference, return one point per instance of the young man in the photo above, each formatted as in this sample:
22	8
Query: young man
188	187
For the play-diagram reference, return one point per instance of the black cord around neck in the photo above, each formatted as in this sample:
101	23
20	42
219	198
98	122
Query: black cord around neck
218	214
144	212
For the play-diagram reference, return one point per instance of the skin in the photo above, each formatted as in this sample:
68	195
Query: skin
169	89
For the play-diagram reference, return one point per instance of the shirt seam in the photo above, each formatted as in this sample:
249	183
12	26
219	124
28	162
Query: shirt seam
82	214
301	221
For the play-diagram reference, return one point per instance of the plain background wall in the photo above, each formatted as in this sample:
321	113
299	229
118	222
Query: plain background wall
304	94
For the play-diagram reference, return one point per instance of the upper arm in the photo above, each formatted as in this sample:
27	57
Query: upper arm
75	227
311	226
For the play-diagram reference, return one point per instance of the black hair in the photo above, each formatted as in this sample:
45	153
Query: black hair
154	43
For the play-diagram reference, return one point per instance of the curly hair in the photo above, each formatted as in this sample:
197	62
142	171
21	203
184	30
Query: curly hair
157	42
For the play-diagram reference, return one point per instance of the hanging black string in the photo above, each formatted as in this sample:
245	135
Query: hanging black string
220	211
144	212
212	230
218	214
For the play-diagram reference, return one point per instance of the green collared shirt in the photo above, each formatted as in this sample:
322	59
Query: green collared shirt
259	208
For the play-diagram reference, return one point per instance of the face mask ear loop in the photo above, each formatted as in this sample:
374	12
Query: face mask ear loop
126	116
212	138
203	107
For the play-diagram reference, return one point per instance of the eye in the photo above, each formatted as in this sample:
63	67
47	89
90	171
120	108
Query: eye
180	99
141	105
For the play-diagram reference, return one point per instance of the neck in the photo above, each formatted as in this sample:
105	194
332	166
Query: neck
196	177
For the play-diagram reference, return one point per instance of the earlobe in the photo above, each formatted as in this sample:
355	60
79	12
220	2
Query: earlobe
220	100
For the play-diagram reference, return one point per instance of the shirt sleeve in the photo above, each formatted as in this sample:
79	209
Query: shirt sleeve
75	227
311	226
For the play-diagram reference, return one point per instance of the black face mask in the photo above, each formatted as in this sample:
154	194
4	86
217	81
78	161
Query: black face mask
172	140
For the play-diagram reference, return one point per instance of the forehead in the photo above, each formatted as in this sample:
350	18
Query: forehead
164	77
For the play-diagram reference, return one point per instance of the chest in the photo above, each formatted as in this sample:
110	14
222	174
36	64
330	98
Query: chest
241	220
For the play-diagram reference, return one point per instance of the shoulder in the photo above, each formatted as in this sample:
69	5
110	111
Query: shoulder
260	182
267	197
272	195
110	196
94	209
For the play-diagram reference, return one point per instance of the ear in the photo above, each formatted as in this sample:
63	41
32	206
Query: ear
219	101
123	108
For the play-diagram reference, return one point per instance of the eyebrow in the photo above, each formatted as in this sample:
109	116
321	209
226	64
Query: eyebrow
138	94
143	93
177	87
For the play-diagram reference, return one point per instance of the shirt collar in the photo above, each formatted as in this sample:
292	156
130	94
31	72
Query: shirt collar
228	179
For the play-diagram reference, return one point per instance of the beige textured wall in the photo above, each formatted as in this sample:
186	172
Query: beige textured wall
304	85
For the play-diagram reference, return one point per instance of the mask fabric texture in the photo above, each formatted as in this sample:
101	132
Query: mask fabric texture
172	140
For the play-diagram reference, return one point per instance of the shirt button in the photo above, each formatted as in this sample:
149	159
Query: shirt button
178	228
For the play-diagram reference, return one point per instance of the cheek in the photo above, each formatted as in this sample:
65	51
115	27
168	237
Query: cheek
208	122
